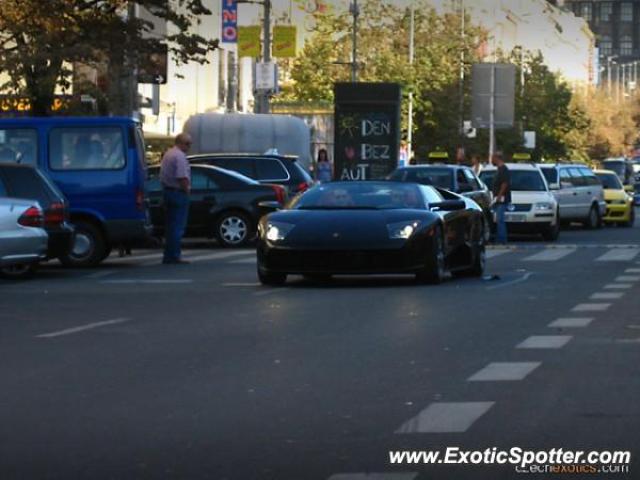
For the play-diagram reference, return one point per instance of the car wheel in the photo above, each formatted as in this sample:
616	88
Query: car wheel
434	269
632	218
552	232
233	229
271	278
593	220
20	271
88	249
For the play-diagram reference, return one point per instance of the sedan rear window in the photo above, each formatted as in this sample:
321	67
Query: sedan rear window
26	183
271	169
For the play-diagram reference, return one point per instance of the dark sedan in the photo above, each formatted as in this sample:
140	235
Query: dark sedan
224	204
372	228
455	178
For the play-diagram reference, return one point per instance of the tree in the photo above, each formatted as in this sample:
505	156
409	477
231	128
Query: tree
40	41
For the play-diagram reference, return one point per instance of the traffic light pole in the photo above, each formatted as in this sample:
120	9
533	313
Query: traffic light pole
262	97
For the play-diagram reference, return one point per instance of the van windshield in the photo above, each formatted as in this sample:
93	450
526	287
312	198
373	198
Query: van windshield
19	145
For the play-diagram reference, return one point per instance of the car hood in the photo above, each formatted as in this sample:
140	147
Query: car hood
332	229
610	194
532	197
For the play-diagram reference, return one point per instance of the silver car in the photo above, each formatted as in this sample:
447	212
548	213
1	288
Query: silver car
23	242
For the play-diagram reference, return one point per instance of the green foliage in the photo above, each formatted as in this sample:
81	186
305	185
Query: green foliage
41	40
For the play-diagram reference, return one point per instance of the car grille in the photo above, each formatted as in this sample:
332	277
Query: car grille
520	207
338	261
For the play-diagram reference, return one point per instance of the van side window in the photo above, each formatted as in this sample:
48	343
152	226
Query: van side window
19	145
90	148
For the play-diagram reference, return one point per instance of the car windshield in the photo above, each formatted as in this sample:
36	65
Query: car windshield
615	166
360	196
487	177
438	177
527	181
550	173
610	181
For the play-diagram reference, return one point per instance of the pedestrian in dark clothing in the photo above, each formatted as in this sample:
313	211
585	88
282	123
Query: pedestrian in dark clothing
501	190
175	176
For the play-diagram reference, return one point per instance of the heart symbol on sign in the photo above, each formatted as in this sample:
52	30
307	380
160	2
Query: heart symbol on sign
350	153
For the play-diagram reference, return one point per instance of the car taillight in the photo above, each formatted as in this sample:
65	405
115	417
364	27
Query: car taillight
280	193
54	215
31	218
303	186
140	200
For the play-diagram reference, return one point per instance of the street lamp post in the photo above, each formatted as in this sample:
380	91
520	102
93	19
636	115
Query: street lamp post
411	55
355	11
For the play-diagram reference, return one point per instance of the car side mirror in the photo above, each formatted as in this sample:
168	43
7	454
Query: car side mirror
448	206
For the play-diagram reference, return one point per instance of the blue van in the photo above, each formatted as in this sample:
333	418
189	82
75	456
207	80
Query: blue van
99	164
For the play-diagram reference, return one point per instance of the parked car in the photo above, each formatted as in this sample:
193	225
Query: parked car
23	241
372	227
578	191
455	178
99	165
224	204
270	169
27	182
620	204
533	207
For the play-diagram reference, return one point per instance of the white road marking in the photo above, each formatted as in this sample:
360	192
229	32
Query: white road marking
618	286
269	291
247	261
550	255
606	296
101	274
373	476
220	255
132	258
618	255
504	371
82	328
495	253
632	270
570	322
241	284
160	281
627	278
524	278
545	341
443	417
591	307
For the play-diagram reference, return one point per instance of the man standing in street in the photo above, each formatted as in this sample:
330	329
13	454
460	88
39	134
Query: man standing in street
501	195
175	176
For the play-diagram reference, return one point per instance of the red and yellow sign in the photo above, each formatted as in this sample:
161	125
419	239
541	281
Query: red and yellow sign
284	41
249	41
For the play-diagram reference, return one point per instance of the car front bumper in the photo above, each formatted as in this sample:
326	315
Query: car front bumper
618	213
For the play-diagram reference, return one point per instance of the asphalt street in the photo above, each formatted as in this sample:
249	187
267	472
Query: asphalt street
136	370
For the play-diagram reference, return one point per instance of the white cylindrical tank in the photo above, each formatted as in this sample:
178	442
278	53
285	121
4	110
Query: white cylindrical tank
240	133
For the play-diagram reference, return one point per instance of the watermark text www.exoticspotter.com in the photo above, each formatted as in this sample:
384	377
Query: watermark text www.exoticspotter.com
556	460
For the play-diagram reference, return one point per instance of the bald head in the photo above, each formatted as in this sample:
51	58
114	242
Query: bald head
183	142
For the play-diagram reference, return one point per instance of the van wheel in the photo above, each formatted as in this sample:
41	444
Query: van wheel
89	247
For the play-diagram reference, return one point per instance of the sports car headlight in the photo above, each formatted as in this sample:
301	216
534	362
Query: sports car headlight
277	231
402	230
543	206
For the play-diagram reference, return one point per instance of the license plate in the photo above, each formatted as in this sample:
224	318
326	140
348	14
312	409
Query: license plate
514	217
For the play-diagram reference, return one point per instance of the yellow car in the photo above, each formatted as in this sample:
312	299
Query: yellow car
620	207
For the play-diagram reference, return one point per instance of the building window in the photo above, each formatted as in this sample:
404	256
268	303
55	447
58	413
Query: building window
606	9
626	46
606	47
626	12
586	10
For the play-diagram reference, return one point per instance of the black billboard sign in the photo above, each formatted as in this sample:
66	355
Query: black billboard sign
367	130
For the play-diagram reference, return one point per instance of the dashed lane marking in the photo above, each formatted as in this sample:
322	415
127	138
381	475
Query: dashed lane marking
446	417
242	284
627	278
137	281
570	322
618	255
618	286
606	296
550	255
495	253
545	341
245	261
591	307
504	371
632	270
82	328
